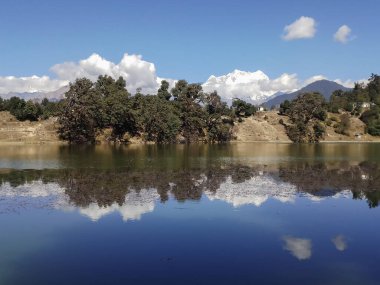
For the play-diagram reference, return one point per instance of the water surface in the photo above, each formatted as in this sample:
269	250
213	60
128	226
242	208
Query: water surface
222	214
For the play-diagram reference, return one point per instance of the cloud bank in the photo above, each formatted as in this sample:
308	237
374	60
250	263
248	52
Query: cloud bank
303	28
252	86
137	72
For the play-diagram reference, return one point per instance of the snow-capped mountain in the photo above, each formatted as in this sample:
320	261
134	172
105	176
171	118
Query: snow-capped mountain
253	87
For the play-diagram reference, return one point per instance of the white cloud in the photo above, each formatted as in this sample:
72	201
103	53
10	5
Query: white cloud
313	79
254	191
303	28
137	72
342	34
298	247
30	84
255	86
340	242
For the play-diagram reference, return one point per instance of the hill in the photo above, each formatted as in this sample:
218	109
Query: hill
325	87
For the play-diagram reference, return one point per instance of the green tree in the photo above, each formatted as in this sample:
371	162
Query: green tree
188	99
242	108
158	120
163	91
115	109
80	118
219	120
306	112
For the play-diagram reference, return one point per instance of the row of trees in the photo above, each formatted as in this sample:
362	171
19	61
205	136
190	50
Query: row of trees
184	113
29	110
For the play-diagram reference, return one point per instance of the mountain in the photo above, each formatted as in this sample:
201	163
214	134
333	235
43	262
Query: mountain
325	87
52	96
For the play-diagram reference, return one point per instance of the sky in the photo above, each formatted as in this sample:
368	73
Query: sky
288	41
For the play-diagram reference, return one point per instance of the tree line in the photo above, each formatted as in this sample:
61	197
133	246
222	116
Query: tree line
184	113
29	110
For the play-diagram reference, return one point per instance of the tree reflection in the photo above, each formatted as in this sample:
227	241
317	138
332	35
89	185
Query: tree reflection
89	186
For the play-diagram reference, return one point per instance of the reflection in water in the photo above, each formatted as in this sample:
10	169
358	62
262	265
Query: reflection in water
134	205
96	193
299	247
340	242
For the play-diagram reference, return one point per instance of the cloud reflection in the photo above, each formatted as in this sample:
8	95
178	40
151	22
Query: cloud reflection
298	247
340	242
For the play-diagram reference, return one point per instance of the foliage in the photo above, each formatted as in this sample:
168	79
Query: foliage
306	113
80	119
242	108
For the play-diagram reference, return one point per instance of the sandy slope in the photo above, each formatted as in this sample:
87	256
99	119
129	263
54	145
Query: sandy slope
263	127
12	130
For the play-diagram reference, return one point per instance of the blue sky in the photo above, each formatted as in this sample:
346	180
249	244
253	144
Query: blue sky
191	39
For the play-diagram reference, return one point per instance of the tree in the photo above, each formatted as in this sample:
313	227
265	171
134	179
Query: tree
158	120
188	98
163	91
306	112
219	120
284	107
80	117
116	111
31	111
374	88
242	108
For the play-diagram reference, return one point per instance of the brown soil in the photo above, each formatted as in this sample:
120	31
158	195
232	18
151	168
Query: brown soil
12	130
263	126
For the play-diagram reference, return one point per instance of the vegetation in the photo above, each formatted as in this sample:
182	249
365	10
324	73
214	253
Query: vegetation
185	114
306	112
188	114
362	101
29	110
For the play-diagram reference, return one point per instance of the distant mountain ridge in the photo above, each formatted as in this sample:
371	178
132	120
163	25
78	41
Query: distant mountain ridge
325	87
38	96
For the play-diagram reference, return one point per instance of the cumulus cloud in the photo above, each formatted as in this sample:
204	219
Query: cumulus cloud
298	247
255	86
342	35
340	242
137	72
303	28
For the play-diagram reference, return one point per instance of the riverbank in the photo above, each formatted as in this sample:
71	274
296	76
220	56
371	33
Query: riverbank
262	127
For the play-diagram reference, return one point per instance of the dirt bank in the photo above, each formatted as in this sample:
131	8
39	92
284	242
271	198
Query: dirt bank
14	131
262	127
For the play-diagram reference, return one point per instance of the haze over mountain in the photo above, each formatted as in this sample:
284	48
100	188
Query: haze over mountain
325	87
52	96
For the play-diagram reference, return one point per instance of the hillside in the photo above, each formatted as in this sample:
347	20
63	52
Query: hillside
262	127
325	87
12	130
265	127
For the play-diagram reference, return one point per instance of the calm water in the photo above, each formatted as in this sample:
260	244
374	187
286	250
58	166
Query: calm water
224	214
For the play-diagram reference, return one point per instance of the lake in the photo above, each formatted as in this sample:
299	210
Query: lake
255	213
